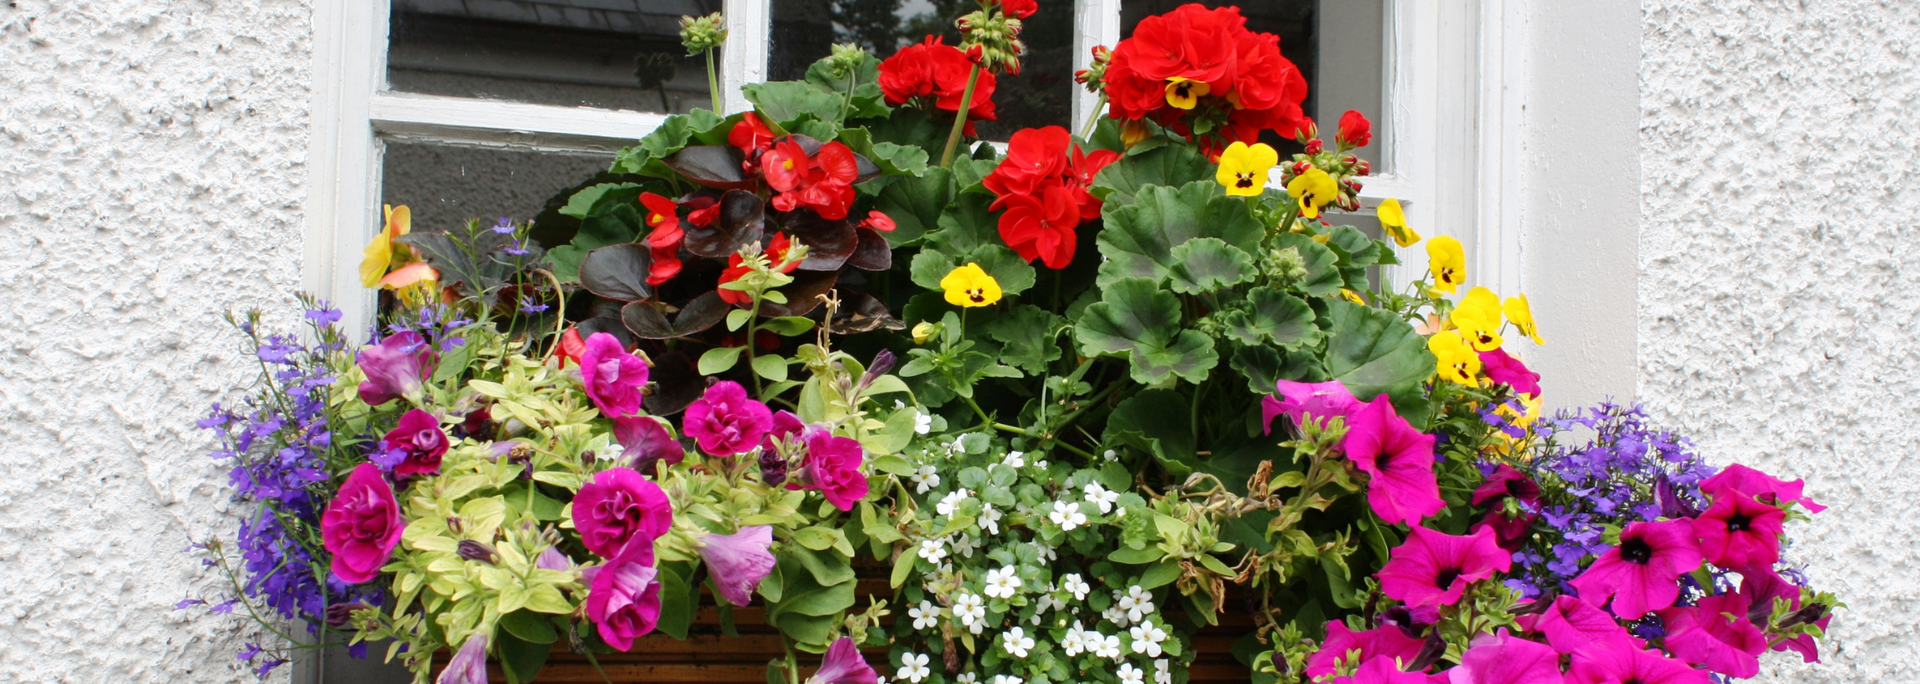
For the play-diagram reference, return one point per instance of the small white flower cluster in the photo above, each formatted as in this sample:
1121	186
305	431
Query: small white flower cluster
1067	515
1003	583
1079	639
1130	607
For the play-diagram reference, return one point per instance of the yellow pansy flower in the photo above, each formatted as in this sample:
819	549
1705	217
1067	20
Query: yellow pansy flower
1353	296
1394	221
1243	169
1134	132
1184	94
969	286
380	252
1521	314
1314	189
1478	318
1454	359
1447	261
922	331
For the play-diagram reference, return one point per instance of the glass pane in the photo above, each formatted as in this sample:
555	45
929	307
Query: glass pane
1338	45
445	185
613	54
1041	95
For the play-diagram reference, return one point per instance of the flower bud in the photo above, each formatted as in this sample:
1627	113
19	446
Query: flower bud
773	467
700	34
1315	146
923	331
476	551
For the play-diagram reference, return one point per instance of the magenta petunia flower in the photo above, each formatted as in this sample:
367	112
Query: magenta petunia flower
614	379
617	506
1572	625
832	465
1399	459
644	441
1628	664
395	368
1434	568
1642	573
1505	481
469	664
362	525
1381	671
1766	488
739	561
1740	532
418	439
725	421
843	665
1503	368
622	597
1510	532
1706	635
1298	400
1381	642
1502	659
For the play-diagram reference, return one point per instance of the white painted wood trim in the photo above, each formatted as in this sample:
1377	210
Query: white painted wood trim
1095	22
1498	195
516	123
744	58
343	164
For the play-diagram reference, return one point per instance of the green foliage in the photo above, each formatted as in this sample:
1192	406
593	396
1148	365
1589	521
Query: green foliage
1137	320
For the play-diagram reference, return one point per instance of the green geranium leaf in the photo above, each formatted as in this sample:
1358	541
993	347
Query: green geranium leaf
915	204
1013	273
1275	317
1323	266
1139	238
1374	352
909	128
788	102
1360	249
1171	165
1137	319
1263	365
1207	264
892	159
1026	338
582	202
1156	421
967	174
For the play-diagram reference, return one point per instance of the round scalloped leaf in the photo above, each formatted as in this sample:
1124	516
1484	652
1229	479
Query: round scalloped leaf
1207	264
1172	165
1323	266
1374	352
1139	238
1275	317
1136	319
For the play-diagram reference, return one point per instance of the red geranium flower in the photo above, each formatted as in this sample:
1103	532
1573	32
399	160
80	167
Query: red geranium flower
1042	185
933	69
1355	129
1040	226
1020	9
736	268
1035	157
1196	61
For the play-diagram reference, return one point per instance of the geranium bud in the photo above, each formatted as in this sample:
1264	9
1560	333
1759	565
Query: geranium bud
1315	146
1362	168
476	551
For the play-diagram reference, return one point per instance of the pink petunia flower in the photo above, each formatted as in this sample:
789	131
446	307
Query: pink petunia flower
843	665
395	368
1434	568
644	441
1706	635
1503	368
832	465
739	561
1399	459
1642	573
1740	532
1504	482
469	664
1381	642
1299	400
1502	659
361	525
623	598
725	421
1572	626
1766	488
617	506
614	379
418	442
1627	664
1381	671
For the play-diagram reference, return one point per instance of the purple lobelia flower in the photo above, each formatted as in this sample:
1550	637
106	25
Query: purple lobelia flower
1716	634
644	442
1642	573
469	664
362	525
1380	642
618	505
739	561
1434	568
415	444
1502	659
843	665
1399	461
725	421
623	598
614	379
396	367
1301	400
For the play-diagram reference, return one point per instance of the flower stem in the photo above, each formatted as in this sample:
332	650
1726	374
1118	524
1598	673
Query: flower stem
1093	119
713	81
960	117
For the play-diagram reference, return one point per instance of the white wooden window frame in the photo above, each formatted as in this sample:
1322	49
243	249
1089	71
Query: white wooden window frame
1452	127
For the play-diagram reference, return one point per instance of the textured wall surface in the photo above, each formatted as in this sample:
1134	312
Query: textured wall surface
152	170
1780	282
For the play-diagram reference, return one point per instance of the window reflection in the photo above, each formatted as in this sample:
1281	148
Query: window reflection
445	185
613	54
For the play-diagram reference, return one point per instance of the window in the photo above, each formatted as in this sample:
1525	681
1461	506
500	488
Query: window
463	108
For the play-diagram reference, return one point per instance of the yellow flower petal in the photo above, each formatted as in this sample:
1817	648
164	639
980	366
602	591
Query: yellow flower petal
1314	189
1185	94
1243	168
969	286
1134	132
379	254
1521	314
1447	261
409	274
1394	221
1454	359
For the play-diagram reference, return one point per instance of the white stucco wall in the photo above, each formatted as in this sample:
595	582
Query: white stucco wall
152	174
1780	282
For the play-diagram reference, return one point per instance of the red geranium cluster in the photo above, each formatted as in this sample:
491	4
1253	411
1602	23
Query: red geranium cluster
1042	185
933	70
1196	65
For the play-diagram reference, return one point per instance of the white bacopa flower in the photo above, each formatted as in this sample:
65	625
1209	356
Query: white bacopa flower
1014	460
1162	672
970	678
1142	603
1110	456
1101	497
926	479
1045	552
926	616
1016	642
913	668
922	422
1072	644
969	611
951	502
1041	464
964	545
1104	646
989	519
1007	679
1146	639
1073	584
958	446
934	550
1067	515
1128	674
1046	603
1003	583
